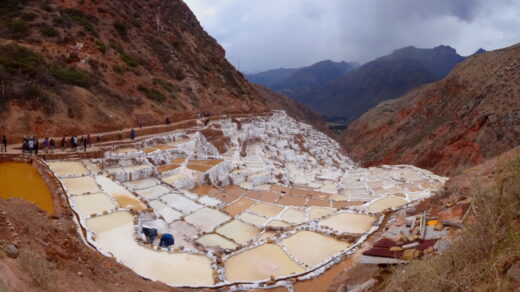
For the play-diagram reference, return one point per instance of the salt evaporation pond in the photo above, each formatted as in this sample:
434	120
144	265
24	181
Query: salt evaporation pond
21	180
285	204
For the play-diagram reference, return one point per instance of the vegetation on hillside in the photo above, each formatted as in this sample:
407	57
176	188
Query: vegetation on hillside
480	259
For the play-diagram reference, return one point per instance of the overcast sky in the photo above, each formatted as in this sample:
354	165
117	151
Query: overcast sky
266	34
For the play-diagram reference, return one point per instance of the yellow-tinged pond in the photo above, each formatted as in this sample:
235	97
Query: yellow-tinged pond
22	180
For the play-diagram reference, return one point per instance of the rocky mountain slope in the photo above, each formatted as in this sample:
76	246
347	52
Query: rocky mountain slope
469	116
79	66
391	76
295	81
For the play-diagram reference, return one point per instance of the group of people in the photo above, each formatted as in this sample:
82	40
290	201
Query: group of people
83	142
165	239
32	144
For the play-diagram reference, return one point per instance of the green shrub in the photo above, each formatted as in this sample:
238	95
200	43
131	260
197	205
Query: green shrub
16	59
101	46
152	93
18	29
129	60
82	19
121	29
71	76
166	85
119	69
49	31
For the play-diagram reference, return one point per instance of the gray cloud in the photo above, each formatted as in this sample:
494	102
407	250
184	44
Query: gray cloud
266	34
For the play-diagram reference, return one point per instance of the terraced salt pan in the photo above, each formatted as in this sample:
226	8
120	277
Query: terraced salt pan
386	203
153	192
68	168
319	212
184	234
80	185
142	183
168	213
206	219
238	206
181	203
349	223
212	240
260	263
252	219
238	231
208	201
114	235
312	248
267	210
123	197
277	223
293	215
87	205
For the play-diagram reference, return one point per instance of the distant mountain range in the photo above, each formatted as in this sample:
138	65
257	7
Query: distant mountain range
344	92
294	81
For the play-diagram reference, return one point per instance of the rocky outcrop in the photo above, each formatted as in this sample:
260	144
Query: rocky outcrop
471	115
69	67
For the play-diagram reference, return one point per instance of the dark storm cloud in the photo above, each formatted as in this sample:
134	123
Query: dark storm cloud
265	34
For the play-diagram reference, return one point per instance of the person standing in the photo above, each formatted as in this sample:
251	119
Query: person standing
89	141
30	145
25	146
63	144
46	144
4	143
52	145
132	134
36	145
74	142
84	144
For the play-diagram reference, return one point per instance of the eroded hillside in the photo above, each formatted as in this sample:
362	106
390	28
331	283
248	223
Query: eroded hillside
471	115
69	66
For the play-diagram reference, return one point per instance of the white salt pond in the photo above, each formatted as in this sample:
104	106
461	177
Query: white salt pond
349	223
312	248
87	205
386	203
80	185
238	231
68	168
260	263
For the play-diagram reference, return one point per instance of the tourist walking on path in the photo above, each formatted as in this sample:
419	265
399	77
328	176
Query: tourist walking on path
74	142
30	145
36	145
89	141
52	145
46	144
25	145
63	144
4	143
84	144
132	134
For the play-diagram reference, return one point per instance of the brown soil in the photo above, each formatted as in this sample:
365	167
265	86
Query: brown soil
53	257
